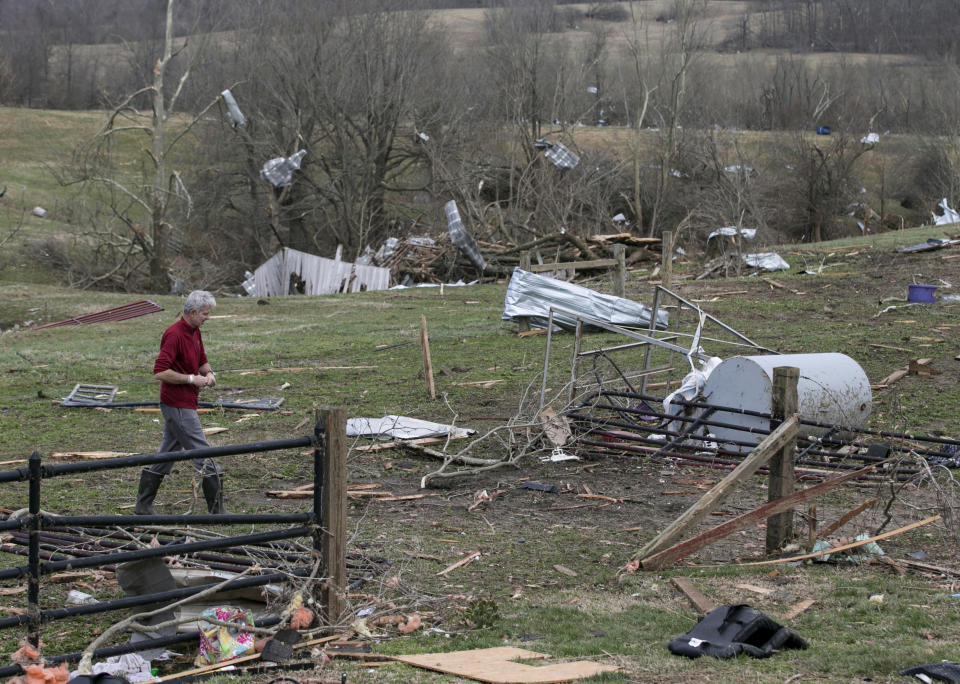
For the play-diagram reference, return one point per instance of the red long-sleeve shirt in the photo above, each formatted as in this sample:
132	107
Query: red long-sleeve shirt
181	349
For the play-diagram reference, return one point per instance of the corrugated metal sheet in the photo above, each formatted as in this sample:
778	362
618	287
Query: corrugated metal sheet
118	313
318	275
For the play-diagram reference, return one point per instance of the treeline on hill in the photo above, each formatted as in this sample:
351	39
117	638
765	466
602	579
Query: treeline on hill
399	114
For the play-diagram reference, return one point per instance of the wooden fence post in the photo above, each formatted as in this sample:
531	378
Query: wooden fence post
334	544
666	258
781	480
523	325
427	361
620	274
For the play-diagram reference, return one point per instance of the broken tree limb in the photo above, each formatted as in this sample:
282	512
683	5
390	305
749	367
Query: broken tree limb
845	518
853	545
716	496
422	441
678	551
701	603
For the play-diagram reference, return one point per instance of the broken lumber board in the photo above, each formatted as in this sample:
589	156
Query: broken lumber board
496	666
887	346
91	455
678	551
797	608
421	441
853	545
578	265
460	563
762	591
719	493
890	379
926	567
701	603
556	428
845	518
922	367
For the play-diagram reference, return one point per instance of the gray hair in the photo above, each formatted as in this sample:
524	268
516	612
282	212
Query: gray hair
198	300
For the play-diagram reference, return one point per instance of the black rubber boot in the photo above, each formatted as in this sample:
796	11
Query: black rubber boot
149	484
213	493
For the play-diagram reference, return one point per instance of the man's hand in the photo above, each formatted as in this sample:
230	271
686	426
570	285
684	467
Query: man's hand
211	379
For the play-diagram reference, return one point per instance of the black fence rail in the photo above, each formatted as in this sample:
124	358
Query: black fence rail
41	527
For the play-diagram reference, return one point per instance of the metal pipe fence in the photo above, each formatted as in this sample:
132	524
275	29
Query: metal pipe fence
41	561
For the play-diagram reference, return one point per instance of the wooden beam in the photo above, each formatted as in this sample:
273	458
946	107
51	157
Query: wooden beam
666	259
567	265
620	274
716	496
781	481
427	362
334	506
701	603
847	547
845	518
678	551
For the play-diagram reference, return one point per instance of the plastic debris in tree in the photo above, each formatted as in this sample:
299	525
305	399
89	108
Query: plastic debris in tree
461	238
561	157
870	139
730	231
41	212
279	171
768	261
237	119
949	215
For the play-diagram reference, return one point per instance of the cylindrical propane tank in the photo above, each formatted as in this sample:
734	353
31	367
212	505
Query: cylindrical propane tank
832	389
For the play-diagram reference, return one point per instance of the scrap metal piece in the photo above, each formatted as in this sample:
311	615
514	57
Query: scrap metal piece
461	238
561	157
530	296
83	394
279	170
141	307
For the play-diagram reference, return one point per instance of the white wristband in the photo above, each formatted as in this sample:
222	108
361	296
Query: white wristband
190	381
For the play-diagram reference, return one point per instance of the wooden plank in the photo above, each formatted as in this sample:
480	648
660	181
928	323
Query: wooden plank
460	563
495	666
678	551
845	518
90	455
762	591
847	547
797	608
427	362
566	265
334	507
701	603
781	481
719	493
620	274
666	258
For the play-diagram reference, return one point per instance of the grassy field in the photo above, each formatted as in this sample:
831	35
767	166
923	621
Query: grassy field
361	352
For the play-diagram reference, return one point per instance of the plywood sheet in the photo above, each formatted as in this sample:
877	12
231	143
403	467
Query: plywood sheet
495	665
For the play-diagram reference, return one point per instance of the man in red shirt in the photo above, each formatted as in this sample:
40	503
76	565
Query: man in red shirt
182	369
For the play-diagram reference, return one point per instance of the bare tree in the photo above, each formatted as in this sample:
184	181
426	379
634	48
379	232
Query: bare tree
145	204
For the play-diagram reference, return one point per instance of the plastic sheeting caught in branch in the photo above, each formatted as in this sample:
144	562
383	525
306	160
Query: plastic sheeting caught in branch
279	171
730	231
768	261
561	157
237	119
949	215
461	238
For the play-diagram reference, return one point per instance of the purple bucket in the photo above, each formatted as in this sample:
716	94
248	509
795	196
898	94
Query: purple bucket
921	293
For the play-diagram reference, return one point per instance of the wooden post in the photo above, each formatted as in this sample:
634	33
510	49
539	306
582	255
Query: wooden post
334	543
786	432
666	258
575	364
781	480
523	325
620	274
427	362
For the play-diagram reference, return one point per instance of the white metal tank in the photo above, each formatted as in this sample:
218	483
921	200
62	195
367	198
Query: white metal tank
832	389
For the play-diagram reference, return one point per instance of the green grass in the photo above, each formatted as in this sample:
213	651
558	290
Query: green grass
631	617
